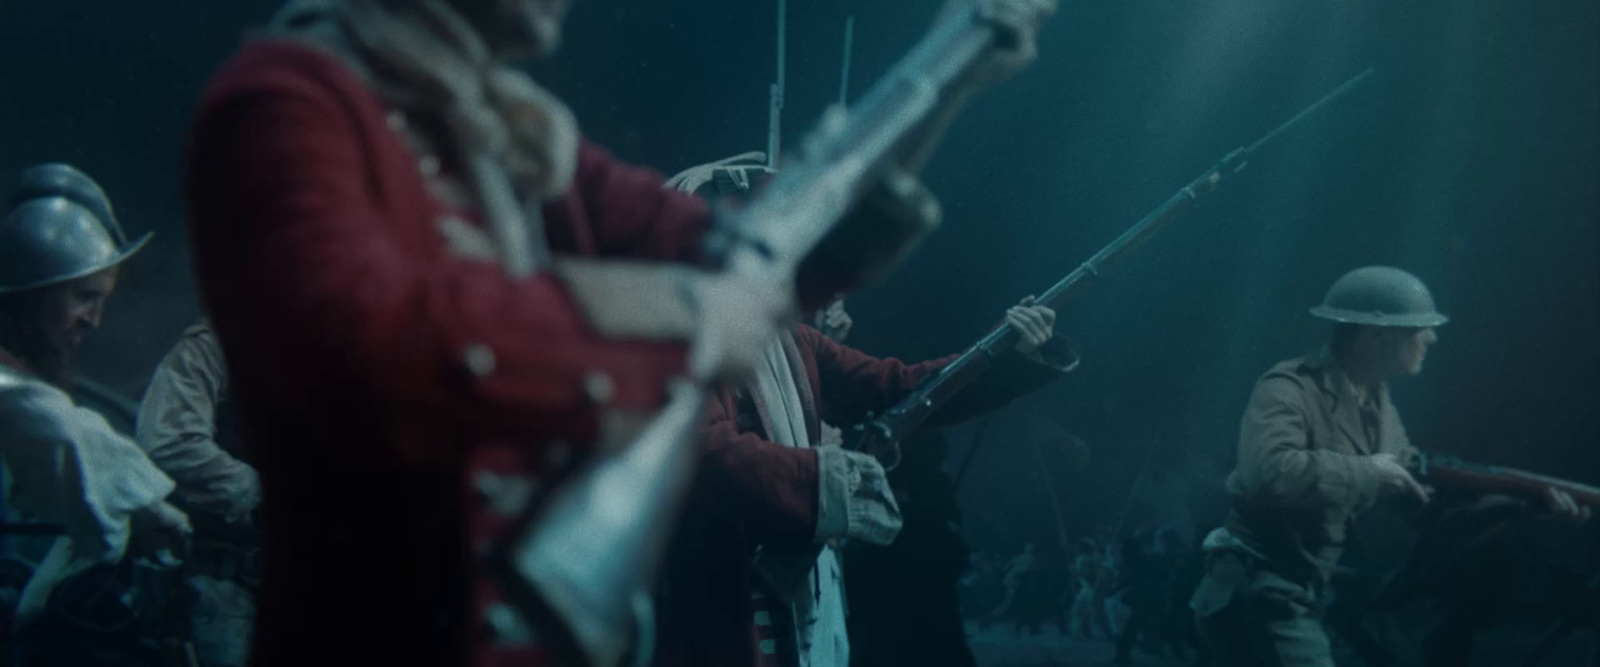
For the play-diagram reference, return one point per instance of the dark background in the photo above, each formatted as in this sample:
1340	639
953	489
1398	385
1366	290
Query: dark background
1471	158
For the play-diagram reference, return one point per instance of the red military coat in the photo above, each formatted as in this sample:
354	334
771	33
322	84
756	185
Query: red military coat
376	371
751	492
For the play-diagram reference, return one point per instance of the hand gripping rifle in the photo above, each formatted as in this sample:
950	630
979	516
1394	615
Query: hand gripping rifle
881	435
583	560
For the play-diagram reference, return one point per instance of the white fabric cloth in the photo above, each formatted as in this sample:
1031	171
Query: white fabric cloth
819	609
832	436
68	465
516	142
690	180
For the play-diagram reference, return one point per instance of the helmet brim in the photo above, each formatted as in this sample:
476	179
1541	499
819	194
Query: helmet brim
1407	320
127	251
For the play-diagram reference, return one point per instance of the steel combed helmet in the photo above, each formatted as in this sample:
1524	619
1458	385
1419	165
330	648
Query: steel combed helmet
1380	296
60	226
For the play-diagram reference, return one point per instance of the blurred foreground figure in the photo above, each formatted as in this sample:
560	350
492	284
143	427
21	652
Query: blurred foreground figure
186	425
375	196
60	249
1320	442
385	214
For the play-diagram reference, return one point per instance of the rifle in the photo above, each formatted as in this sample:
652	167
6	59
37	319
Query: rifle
582	560
1447	472
881	435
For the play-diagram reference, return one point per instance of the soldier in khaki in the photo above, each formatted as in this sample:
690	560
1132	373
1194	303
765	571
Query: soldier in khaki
1320	442
187	428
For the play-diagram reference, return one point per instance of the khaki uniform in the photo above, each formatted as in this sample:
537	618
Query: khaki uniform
1304	473
178	428
184	432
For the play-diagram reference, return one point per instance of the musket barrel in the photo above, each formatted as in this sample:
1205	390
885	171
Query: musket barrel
910	412
849	152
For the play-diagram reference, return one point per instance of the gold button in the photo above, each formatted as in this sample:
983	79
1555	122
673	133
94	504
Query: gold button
479	359
506	496
599	387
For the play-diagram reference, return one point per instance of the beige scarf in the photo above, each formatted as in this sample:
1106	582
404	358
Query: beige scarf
517	141
810	582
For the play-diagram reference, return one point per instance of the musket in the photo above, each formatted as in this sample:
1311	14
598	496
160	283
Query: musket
1451	473
581	561
881	434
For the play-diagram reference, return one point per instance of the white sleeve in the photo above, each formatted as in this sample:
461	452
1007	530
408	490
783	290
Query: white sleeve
854	499
67	464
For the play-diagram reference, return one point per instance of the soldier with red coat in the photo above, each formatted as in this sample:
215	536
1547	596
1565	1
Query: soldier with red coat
754	576
379	208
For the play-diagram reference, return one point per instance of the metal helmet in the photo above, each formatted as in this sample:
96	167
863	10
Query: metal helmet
1380	296
60	227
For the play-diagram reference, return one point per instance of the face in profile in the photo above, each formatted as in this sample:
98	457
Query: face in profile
60	316
72	309
1407	349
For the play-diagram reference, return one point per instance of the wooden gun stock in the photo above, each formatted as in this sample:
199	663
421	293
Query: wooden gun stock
1452	473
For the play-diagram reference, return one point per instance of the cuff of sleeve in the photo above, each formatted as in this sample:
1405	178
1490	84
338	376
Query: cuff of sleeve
1059	353
1362	479
853	498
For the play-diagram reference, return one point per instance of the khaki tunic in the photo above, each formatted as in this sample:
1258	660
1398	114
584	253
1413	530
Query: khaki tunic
1304	470
178	429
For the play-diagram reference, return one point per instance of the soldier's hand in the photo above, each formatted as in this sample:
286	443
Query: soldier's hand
739	313
163	516
159	533
1019	22
1562	505
1393	478
836	322
1036	325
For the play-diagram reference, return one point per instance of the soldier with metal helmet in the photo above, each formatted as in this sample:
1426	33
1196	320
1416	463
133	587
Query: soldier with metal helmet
1320	442
60	252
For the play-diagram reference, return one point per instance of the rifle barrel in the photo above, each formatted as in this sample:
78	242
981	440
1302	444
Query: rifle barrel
881	432
1306	112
